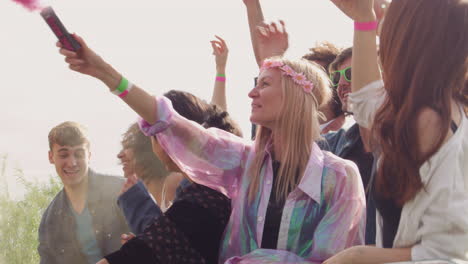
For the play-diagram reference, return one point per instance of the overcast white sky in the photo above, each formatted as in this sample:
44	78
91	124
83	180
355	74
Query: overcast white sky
159	45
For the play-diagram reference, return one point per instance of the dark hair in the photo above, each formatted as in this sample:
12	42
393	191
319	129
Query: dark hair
147	164
188	105
423	50
342	57
337	106
68	134
324	54
201	112
220	119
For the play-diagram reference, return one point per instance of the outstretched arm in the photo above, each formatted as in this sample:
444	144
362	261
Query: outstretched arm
220	51
86	61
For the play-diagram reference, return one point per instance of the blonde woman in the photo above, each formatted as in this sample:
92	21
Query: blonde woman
291	202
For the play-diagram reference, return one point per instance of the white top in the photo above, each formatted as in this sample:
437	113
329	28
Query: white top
435	222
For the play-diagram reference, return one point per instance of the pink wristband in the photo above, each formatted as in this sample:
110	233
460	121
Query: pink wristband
365	26
220	79
123	94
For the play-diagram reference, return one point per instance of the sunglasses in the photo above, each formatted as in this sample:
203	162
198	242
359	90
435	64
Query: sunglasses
336	75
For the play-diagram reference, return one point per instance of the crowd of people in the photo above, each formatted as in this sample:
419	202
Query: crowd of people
357	155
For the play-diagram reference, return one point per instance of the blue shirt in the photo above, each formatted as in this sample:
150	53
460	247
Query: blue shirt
86	238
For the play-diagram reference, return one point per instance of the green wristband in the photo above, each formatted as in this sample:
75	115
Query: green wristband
220	75
123	85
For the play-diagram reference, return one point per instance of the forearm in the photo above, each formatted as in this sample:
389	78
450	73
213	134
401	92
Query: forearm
374	255
138	99
365	60
255	18
219	90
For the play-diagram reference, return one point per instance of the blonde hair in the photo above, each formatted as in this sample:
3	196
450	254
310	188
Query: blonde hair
297	128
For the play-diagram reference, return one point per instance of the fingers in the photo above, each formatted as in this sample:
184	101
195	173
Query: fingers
223	43
68	53
218	47
74	61
80	40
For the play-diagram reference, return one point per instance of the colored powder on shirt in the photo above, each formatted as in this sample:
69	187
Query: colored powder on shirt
31	5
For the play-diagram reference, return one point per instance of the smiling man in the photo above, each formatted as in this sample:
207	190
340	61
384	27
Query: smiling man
83	222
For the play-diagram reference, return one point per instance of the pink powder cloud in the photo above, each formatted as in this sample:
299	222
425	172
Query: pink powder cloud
32	5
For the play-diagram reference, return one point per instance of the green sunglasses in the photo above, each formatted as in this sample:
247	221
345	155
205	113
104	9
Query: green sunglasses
336	75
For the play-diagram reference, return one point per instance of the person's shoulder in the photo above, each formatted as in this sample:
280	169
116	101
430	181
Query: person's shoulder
338	165
55	207
107	178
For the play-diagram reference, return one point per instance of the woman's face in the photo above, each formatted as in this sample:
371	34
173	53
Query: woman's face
267	98
126	158
163	157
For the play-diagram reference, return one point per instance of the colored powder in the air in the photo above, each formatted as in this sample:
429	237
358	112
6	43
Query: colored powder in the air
32	5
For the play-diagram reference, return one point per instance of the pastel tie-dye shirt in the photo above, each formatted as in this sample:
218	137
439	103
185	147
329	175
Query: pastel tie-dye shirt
322	216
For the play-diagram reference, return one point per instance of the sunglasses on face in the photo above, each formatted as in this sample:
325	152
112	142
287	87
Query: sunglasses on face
336	76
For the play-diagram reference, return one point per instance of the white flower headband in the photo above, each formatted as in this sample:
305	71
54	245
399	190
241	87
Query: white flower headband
298	78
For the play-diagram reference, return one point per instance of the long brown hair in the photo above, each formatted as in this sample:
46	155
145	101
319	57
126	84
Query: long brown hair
298	127
423	50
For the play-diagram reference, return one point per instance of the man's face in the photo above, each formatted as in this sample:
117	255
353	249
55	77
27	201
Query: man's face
71	163
344	86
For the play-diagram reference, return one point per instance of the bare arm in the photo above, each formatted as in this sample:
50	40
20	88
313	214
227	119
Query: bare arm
86	61
255	18
365	60
370	255
220	50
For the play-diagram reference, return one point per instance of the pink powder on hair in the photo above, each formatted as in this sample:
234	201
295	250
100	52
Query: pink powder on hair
32	5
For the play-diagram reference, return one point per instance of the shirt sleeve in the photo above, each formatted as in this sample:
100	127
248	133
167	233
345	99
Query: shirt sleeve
344	222
138	208
211	157
443	227
365	102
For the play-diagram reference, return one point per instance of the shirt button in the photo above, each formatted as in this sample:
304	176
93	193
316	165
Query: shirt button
268	182
260	219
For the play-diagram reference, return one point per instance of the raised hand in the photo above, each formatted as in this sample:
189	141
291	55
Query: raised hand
220	51
273	40
86	61
357	10
380	7
131	180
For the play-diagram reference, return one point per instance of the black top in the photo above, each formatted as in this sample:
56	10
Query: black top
391	212
364	160
273	214
193	225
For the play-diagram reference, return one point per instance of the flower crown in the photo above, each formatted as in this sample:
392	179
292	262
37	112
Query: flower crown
298	78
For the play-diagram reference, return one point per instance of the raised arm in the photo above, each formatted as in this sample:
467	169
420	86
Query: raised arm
255	18
220	51
86	61
273	40
364	62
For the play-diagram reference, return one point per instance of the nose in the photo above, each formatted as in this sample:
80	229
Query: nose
343	81
72	161
120	155
253	93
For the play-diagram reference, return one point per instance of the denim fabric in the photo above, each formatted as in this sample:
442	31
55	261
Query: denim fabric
138	207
